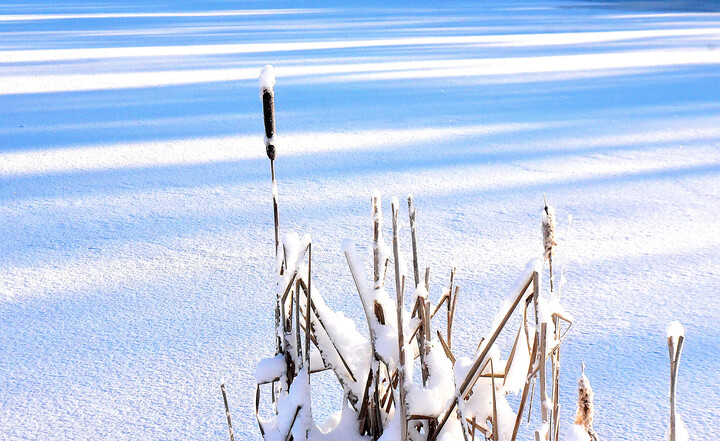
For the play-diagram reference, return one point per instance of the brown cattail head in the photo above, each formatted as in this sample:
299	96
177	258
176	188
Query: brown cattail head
548	230
267	94
585	406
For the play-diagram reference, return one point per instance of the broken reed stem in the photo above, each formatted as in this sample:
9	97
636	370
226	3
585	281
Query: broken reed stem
556	383
286	328
227	411
443	299
451	315
494	401
675	353
449	300
426	340
308	305
289	436
422	343
379	268
257	411
298	343
399	291
532	396
446	349
413	235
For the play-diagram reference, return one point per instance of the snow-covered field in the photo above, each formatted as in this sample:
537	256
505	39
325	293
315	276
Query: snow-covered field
136	220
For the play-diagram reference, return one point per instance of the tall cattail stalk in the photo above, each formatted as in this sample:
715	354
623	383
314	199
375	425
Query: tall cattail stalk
267	96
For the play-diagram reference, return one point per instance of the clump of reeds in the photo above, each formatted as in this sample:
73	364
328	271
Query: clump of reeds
458	397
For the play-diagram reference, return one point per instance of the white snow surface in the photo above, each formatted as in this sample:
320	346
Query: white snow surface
137	268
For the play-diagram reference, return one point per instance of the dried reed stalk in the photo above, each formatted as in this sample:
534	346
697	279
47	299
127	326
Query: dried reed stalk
227	412
675	345
379	268
413	235
399	293
494	402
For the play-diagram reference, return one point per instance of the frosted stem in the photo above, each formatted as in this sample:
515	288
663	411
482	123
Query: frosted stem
399	291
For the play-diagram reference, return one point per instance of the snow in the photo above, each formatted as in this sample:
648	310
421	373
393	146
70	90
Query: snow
267	78
681	432
577	433
517	374
675	330
269	369
433	399
136	216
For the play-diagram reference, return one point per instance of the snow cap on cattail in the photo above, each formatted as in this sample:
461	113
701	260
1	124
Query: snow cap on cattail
548	230
585	406
267	78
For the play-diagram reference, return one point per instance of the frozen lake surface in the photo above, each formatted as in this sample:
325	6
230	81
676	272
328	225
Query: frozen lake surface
136	218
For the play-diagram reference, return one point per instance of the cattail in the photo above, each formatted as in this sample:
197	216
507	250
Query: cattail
585	406
548	230
267	94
